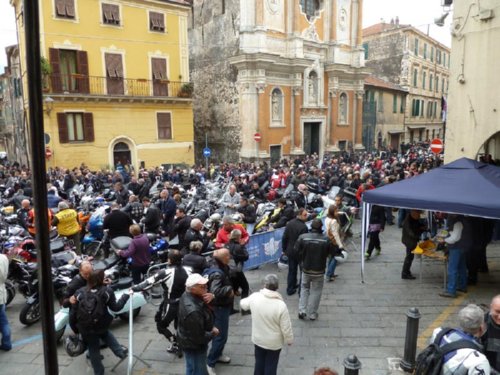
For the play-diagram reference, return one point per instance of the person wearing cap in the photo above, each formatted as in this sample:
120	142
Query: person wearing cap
67	224
195	324
313	249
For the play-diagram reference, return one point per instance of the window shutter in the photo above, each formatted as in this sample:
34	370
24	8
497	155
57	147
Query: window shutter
115	10
62	124
82	63
107	13
70	8
110	64
164	125
88	127
60	8
159	67
55	76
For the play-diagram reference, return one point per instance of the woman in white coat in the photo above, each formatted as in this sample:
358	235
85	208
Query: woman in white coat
271	326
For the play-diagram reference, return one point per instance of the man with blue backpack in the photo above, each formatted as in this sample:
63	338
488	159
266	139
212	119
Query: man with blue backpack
456	351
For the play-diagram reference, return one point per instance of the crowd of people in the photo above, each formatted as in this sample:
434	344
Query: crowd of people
200	302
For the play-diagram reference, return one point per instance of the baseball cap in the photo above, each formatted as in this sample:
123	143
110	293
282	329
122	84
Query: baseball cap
195	279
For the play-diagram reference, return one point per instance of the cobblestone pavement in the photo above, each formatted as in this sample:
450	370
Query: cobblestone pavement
366	319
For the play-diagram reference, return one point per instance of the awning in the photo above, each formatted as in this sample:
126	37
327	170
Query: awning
395	131
415	127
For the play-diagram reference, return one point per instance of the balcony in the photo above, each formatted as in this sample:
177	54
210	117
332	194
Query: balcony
115	87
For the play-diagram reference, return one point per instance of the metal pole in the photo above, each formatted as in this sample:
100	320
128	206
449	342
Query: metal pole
206	159
408	361
37	144
130	363
352	365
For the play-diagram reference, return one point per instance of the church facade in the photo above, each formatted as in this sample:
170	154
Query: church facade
296	68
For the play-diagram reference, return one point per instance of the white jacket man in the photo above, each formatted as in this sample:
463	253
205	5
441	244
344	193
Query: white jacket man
466	361
271	326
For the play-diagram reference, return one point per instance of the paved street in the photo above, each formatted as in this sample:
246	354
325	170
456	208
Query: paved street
365	319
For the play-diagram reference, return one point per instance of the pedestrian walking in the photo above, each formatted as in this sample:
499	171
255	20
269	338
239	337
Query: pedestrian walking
294	228
6	344
375	226
313	249
271	326
412	230
333	232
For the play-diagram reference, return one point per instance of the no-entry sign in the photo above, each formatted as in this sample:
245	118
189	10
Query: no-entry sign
257	137
437	146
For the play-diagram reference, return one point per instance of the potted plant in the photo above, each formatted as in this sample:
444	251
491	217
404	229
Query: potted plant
186	90
46	69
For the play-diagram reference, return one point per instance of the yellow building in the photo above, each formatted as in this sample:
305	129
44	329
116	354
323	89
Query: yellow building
115	83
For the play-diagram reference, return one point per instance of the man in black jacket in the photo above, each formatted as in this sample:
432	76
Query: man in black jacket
194	259
248	214
313	249
195	234
196	324
152	217
93	334
79	281
412	230
221	289
182	223
293	230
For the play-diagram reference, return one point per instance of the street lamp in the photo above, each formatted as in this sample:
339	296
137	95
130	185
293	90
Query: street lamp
48	105
439	21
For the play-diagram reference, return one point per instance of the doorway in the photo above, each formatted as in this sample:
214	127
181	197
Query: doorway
275	152
311	137
121	154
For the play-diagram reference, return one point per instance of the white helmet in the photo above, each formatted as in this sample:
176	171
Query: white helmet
283	262
342	259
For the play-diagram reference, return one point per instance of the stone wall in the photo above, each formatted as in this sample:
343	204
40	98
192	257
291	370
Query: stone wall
213	38
385	55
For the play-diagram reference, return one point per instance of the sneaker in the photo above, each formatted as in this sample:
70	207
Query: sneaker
447	295
5	348
408	277
302	316
367	255
174	348
124	352
211	370
377	251
224	359
313	317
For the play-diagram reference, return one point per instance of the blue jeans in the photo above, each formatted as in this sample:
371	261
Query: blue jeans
93	341
221	321
457	270
332	264
4	329
266	361
196	361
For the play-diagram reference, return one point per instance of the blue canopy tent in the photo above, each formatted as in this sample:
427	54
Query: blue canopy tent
464	187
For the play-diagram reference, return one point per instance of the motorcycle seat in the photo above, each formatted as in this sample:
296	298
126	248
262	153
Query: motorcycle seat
56	246
106	263
123	283
121	242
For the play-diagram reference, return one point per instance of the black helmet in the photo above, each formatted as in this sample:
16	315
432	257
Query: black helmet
74	345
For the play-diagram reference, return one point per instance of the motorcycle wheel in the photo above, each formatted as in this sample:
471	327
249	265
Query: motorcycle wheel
95	250
135	314
30	314
11	291
59	334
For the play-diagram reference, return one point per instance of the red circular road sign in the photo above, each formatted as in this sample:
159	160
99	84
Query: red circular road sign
257	137
48	153
437	146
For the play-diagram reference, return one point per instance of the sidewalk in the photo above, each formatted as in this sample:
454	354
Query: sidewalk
367	320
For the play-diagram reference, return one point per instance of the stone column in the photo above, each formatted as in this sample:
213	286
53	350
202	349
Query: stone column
297	141
259	13
260	87
248	108
359	40
333	111
358	127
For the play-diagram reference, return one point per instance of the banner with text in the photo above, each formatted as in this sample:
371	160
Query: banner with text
264	248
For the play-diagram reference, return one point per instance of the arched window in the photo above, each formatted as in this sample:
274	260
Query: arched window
343	108
313	87
310	8
277	106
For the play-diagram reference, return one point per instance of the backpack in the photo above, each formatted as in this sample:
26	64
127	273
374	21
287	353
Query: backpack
430	361
92	310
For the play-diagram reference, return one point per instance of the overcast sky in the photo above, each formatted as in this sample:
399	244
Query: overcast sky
419	13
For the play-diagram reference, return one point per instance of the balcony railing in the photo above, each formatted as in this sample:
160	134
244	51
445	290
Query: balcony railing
116	86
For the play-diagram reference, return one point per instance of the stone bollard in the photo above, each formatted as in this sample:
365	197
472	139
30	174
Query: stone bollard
408	361
352	365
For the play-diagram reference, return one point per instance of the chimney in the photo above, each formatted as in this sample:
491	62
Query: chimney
397	21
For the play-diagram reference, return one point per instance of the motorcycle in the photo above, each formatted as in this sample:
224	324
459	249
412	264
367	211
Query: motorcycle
139	299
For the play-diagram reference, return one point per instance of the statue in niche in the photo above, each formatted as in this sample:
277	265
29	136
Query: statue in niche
313	88
276	105
343	109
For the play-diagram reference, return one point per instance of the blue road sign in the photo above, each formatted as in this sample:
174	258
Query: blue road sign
207	152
